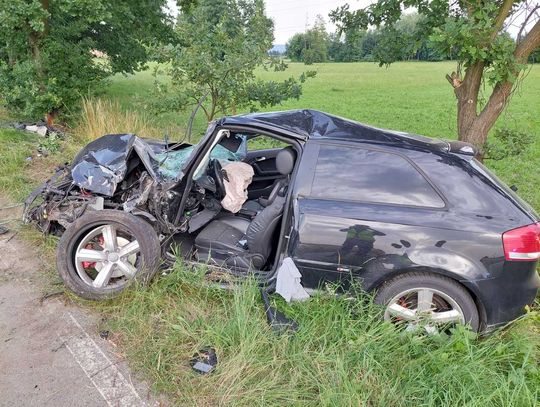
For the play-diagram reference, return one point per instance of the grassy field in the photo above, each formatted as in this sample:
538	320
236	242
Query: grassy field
408	96
342	355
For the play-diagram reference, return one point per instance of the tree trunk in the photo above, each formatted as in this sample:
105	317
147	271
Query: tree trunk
213	105
466	92
470	126
474	126
50	118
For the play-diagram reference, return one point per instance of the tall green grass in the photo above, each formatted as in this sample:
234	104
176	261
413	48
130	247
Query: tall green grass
15	149
101	116
342	354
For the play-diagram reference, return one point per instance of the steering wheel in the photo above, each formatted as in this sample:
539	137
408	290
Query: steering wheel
218	176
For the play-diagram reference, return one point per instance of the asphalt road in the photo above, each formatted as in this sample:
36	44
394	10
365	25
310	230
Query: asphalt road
51	353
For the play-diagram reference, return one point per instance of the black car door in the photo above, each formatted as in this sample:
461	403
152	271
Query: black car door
353	207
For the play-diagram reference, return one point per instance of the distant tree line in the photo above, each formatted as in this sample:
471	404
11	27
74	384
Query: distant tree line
405	41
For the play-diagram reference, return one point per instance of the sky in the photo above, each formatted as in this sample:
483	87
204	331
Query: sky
295	16
291	17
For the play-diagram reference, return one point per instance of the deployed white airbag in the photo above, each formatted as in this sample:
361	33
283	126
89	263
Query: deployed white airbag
239	176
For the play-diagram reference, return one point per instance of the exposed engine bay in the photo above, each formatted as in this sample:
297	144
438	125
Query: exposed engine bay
126	172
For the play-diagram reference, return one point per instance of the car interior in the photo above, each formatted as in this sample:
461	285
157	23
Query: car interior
248	238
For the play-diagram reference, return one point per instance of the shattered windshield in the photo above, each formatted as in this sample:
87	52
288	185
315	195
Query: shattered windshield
104	162
172	162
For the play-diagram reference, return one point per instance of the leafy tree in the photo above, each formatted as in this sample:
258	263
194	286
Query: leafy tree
316	49
369	44
355	45
392	45
221	45
402	41
346	48
474	32
337	49
46	47
311	46
295	47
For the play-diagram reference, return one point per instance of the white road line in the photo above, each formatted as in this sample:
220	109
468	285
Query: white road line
100	370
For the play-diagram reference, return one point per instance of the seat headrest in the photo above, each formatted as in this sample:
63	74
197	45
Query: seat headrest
285	160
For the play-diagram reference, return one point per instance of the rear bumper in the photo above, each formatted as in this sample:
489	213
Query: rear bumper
504	297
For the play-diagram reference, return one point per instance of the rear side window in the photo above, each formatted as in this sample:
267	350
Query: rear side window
262	142
357	174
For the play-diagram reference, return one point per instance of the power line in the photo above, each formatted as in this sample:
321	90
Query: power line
300	6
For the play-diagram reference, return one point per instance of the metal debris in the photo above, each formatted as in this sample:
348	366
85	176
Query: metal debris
204	361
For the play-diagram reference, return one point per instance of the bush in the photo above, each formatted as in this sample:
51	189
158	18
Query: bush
508	143
47	48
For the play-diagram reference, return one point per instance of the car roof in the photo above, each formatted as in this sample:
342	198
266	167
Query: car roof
314	124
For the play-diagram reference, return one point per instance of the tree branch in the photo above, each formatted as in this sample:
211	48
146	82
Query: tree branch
205	111
502	91
524	25
530	42
45	6
469	7
504	10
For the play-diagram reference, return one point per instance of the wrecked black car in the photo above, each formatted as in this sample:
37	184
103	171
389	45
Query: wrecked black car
324	201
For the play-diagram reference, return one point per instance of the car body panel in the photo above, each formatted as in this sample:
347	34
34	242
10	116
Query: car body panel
345	239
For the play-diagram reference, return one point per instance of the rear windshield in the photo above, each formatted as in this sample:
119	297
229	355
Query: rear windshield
488	174
471	188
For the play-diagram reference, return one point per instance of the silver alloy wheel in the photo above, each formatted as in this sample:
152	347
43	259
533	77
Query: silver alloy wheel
425	308
103	255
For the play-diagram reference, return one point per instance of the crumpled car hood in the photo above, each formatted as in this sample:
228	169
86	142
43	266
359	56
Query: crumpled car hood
104	162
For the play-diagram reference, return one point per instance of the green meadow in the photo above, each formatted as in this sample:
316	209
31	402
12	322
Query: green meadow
408	96
342	354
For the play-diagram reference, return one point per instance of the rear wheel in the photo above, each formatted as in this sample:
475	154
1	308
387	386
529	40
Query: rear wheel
103	252
426	302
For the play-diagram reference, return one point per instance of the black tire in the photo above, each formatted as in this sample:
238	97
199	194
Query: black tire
449	287
149	246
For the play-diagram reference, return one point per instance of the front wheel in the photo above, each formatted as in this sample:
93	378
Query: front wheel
422	301
103	252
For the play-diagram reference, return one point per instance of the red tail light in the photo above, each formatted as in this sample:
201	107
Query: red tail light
522	244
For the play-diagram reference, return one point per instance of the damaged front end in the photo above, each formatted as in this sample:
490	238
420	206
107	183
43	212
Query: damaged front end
54	205
122	172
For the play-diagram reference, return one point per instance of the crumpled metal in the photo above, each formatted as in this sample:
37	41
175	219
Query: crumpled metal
102	164
310	123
